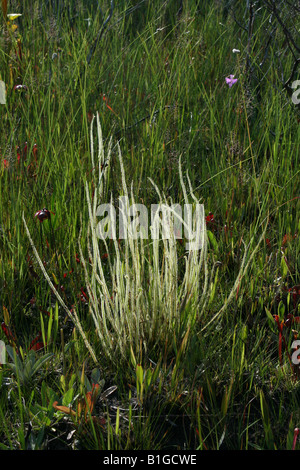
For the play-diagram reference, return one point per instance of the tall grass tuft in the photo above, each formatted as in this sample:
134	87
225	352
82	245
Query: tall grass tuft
142	299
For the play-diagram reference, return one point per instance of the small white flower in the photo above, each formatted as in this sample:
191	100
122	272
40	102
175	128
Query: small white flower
231	80
13	16
2	92
236	51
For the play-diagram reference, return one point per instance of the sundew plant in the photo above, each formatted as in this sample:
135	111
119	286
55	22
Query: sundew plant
149	342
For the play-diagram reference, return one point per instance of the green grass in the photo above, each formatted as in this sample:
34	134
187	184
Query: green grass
183	347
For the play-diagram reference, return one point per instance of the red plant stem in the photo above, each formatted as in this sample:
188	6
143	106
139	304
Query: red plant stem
282	341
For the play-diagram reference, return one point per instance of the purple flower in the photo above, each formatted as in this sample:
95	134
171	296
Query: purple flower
231	80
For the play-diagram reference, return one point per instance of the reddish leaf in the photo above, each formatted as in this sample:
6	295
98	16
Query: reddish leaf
296	433
18	153
107	105
280	339
43	214
5	163
83	293
4	8
34	150
21	88
25	150
85	405
88	403
37	346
